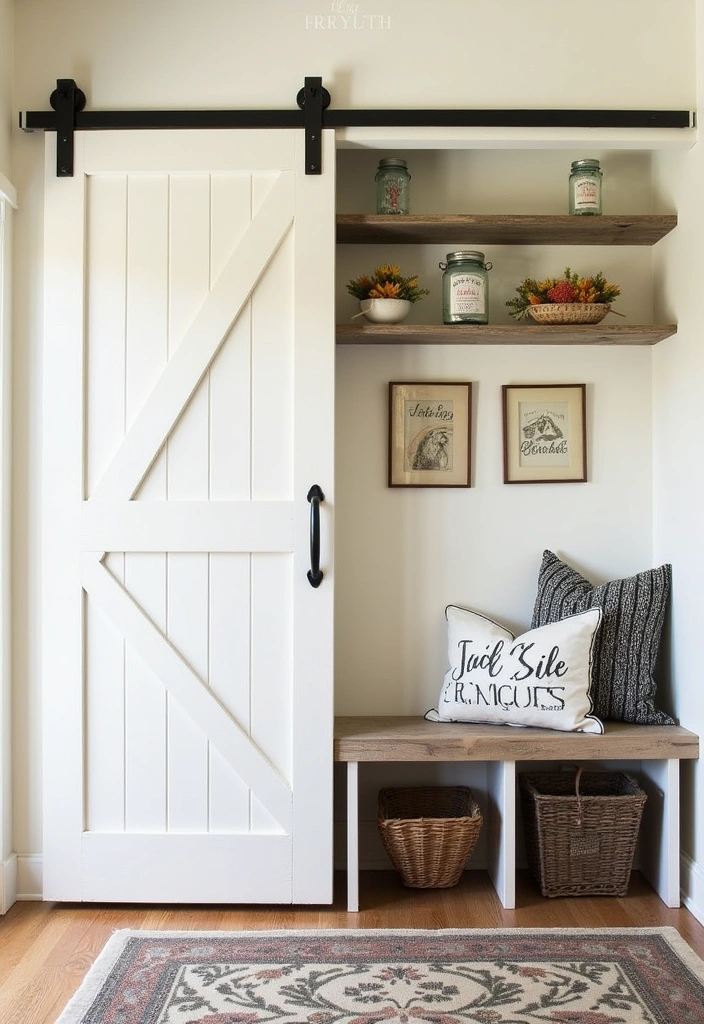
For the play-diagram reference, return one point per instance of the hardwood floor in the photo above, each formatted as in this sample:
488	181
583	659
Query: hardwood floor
47	948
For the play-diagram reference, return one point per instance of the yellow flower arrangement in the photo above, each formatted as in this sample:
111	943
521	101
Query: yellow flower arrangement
386	282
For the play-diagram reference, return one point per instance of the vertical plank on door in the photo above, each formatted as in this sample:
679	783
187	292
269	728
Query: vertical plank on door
272	645
229	679
230	405
230	480
187	480
106	250
63	478
272	379
145	574
272	467
313	614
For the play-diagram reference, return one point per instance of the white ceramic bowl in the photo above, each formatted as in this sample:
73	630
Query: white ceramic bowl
385	311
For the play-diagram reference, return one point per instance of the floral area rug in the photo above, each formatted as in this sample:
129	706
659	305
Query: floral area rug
492	976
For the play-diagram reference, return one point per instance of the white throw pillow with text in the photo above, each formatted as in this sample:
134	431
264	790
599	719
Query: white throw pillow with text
541	678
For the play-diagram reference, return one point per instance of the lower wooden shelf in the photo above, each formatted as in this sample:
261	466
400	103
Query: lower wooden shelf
503	334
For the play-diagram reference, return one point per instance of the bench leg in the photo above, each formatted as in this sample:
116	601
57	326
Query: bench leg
501	845
660	853
352	837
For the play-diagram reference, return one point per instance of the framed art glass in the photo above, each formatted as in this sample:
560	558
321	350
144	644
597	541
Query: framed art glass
430	434
545	438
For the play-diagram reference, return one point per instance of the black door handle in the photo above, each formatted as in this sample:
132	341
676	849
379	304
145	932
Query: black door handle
315	496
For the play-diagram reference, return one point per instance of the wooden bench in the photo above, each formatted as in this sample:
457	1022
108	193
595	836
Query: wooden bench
658	749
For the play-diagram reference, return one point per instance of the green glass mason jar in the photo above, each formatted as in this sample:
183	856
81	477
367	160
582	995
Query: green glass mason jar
392	186
465	288
585	187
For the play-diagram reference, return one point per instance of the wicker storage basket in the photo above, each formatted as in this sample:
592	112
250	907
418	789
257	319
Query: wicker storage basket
581	830
569	312
429	832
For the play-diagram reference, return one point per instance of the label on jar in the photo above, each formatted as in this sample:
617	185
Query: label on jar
586	193
467	294
393	196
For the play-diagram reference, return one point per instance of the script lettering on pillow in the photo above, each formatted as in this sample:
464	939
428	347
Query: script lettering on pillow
626	649
541	678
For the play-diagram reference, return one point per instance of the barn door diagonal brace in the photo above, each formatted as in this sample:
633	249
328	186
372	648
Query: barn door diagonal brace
66	99
313	115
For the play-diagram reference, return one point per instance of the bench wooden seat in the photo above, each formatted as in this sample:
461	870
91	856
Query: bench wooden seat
657	749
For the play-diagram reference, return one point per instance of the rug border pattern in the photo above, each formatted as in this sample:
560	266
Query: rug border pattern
124	947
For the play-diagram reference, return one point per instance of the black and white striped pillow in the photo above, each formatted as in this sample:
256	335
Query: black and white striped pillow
626	648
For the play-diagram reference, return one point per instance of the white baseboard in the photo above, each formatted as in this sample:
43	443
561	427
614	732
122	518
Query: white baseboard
21	878
30	875
8	883
692	886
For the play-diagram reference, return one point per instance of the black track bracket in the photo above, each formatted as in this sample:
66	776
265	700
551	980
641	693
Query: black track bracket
313	99
312	114
66	99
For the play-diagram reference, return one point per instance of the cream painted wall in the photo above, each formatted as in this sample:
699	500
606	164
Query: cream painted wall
403	555
482	546
6	112
378	53
678	474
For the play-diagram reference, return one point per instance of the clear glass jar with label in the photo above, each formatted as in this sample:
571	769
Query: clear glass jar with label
392	186
465	288
585	187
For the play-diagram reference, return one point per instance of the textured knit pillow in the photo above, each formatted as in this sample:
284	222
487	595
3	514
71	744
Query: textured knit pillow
626	648
541	678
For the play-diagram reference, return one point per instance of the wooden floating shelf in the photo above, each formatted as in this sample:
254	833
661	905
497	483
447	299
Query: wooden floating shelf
503	334
509	229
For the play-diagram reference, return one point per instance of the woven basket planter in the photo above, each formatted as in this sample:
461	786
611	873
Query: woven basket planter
569	312
581	830
429	832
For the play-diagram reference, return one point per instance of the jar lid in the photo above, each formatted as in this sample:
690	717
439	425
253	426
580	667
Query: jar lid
393	161
585	165
465	254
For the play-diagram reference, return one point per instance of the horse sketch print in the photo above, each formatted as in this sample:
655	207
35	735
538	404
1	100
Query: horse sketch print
428	435
544	434
543	428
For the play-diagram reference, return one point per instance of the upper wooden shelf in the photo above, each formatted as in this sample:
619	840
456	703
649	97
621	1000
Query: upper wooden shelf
503	334
503	229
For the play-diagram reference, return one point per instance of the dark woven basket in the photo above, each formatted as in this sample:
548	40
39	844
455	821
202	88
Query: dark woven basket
429	832
581	830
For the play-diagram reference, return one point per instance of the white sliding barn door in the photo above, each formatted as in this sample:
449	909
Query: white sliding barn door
188	409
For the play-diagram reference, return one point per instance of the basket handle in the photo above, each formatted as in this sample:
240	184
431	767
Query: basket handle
580	769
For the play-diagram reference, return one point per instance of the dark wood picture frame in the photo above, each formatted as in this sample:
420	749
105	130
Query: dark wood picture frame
545	433
430	434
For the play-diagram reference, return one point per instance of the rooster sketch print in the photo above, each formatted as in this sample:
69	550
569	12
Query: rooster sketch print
431	449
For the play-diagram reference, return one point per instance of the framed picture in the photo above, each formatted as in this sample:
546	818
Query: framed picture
430	434
545	437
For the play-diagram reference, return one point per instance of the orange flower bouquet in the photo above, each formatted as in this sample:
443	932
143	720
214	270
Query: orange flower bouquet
571	288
